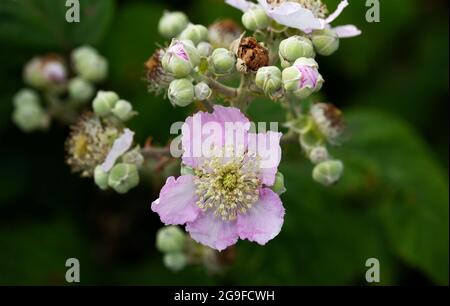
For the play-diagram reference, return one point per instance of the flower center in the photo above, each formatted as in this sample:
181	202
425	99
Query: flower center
227	186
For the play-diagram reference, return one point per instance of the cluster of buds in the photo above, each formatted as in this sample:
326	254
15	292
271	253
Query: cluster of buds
56	89
180	251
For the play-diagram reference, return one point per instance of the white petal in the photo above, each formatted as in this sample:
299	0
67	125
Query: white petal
347	31
120	146
337	12
293	15
240	4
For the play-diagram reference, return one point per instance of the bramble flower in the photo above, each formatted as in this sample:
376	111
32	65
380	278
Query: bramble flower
89	143
304	15
228	196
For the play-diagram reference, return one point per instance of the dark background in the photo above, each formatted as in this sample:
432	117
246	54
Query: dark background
392	203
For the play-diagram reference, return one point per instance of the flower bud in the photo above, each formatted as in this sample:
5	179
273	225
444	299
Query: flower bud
181	58
172	23
255	19
205	49
25	97
303	78
123	110
278	187
47	72
202	91
181	92
195	33
326	41
134	157
123	178
29	116
90	65
294	48
269	79
329	121
175	261
101	178
80	90
319	155
170	239
328	173
223	61
104	102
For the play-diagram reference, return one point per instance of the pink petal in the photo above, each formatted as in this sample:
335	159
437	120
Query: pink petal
204	131
177	201
264	220
120	146
293	15
267	147
240	4
342	5
347	31
213	232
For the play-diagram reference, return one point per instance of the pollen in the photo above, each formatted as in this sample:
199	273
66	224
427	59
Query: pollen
228	186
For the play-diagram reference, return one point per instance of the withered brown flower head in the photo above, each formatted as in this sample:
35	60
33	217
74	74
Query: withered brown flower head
329	120
157	78
318	8
89	143
252	55
223	33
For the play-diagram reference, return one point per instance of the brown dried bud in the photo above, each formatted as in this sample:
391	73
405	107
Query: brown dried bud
158	79
329	120
252	55
223	33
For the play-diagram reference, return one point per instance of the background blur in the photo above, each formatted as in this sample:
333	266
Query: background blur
392	204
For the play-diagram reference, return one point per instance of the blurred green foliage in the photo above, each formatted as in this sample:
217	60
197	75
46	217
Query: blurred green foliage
392	203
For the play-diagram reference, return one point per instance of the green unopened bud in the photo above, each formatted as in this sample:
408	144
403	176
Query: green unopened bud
296	47
175	261
181	58
134	157
255	19
123	110
326	42
172	23
223	61
205	49
279	187
269	79
181	92
123	178
48	72
328	173
104	102
202	91
303	78
170	239
89	64
26	97
29	116
319	155
101	178
80	90
195	33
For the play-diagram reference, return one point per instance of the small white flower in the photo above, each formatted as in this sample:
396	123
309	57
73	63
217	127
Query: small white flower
294	15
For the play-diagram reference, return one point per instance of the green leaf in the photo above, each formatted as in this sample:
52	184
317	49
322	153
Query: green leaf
47	19
410	190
